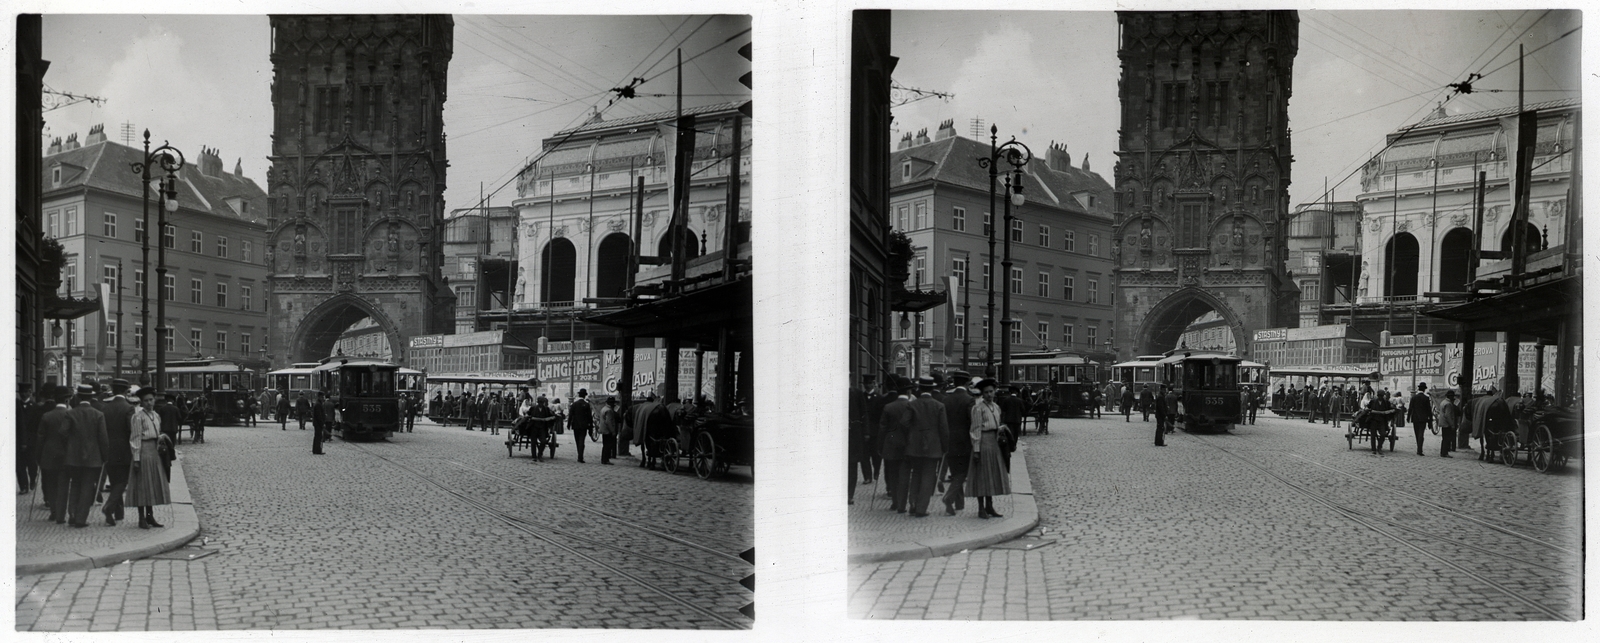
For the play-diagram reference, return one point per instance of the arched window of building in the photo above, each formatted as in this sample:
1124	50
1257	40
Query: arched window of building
611	266
1400	255
1455	256
1532	240
689	241
558	261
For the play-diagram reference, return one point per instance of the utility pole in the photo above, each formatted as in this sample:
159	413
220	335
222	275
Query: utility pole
118	369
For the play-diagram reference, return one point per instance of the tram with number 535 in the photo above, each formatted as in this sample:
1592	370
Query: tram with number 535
365	404
1207	386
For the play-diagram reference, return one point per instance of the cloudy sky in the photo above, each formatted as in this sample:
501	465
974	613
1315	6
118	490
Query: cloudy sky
1052	76
514	80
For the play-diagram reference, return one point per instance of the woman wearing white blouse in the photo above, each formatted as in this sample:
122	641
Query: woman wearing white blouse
147	482
987	477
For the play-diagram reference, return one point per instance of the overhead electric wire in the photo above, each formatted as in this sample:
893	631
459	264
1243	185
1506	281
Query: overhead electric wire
530	58
1536	50
524	167
1409	74
1513	41
553	52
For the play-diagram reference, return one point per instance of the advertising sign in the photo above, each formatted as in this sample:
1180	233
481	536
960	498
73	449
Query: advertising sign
1421	360
577	367
427	341
1272	334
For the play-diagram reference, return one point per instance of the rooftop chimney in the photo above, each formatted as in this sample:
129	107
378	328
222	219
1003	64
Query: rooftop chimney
1086	163
55	146
210	162
238	167
1057	158
72	142
922	137
97	134
905	142
947	129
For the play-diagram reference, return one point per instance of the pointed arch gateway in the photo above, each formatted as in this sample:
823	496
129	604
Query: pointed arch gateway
1164	326
319	330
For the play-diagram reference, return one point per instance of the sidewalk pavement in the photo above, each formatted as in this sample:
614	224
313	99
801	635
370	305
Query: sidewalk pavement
880	535
43	546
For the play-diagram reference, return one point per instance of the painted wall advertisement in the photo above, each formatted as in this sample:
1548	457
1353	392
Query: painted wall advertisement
650	370
1440	364
560	375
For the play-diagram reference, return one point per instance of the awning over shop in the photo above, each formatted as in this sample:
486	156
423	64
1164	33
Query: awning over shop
69	308
1535	311
695	316
916	301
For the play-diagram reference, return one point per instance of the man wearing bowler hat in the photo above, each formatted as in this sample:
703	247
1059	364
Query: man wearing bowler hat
87	445
957	445
896	425
50	449
118	413
924	447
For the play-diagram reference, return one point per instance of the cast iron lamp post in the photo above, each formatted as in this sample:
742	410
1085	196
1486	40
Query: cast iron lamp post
169	198
169	159
1017	155
1013	198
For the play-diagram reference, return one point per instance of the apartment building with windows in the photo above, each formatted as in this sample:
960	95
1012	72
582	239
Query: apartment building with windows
1060	278
216	305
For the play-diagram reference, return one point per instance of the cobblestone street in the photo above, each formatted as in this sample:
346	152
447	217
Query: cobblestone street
432	529
1280	520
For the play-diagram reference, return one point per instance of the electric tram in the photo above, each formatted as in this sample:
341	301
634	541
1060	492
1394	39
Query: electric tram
1070	378
223	384
1207	386
363	395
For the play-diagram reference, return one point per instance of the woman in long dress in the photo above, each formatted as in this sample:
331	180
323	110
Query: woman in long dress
147	482
988	477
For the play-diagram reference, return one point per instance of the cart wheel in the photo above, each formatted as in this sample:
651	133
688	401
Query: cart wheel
1540	452
1508	448
669	455
704	457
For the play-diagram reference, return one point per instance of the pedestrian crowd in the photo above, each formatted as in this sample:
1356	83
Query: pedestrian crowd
919	438
80	447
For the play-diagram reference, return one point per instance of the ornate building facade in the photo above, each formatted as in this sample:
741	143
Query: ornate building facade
356	181
1203	173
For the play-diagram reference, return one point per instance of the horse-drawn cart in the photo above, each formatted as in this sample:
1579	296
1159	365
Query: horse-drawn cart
531	432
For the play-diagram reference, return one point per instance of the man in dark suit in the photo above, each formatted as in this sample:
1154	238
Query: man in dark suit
957	444
86	446
856	438
28	412
581	416
118	412
1127	403
896	426
302	410
1421	412
1162	416
1147	403
171	426
321	415
924	447
1012	410
50	449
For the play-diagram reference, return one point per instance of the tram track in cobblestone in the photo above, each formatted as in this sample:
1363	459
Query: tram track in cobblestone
648	528
1369	521
544	532
1509	528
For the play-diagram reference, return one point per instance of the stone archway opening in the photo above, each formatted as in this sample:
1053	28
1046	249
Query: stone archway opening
343	328
1189	320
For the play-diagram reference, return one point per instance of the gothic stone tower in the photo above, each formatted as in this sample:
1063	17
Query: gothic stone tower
1202	175
356	180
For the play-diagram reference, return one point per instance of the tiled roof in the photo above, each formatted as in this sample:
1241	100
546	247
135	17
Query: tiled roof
1492	113
648	118
106	166
954	160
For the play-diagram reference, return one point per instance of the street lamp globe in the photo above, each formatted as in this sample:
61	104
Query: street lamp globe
1017	199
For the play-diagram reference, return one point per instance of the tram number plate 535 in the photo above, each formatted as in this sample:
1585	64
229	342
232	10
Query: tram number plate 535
372	408
1213	401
